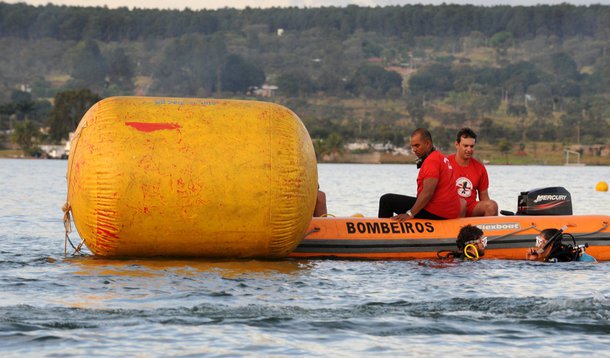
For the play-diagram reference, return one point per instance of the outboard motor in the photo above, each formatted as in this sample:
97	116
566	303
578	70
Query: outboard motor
545	201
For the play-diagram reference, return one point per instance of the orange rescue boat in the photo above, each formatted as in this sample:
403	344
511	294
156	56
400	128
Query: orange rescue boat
386	239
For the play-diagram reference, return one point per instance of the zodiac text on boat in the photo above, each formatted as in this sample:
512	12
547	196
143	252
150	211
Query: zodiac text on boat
388	227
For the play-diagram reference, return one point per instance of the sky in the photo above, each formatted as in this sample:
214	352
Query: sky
240	4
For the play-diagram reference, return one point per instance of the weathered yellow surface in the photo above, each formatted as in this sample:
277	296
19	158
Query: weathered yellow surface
191	177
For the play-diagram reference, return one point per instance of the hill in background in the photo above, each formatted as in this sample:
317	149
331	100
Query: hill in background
520	76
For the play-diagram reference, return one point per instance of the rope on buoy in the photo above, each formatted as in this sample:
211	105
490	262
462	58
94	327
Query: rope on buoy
68	229
67	226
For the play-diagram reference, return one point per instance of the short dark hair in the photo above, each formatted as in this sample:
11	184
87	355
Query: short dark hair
466	133
466	234
424	133
548	233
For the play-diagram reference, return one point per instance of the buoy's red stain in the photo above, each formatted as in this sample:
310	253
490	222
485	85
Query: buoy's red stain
151	127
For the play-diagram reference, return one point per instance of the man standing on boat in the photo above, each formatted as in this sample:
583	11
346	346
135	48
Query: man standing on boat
436	195
471	176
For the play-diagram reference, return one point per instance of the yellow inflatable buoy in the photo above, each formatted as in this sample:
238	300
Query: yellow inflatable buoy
601	186
192	178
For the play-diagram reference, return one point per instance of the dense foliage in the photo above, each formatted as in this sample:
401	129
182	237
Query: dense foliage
516	74
408	21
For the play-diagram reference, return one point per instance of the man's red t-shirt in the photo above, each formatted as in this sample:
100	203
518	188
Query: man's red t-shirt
469	181
445	201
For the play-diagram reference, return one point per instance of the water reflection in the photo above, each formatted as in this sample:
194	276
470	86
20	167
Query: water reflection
95	266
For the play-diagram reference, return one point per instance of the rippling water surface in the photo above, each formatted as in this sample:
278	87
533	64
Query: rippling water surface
80	306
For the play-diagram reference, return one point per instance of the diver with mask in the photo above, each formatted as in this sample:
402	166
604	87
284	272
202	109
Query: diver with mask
550	248
471	244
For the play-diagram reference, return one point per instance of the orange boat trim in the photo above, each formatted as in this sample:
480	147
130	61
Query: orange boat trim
509	237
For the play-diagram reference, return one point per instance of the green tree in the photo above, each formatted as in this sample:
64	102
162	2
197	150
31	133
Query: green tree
25	135
417	111
330	82
120	70
215	56
238	74
501	41
191	66
334	143
6	111
541	101
371	48
435	79
504	147
408	21
23	104
516	110
443	137
517	77
69	108
318	146
295	83
89	68
564	66
491	132
374	81
176	73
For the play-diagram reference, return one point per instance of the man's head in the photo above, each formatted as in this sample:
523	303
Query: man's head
471	235
464	143
421	142
544	237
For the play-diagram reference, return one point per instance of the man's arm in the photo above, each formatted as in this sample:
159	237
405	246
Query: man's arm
484	195
428	188
535	254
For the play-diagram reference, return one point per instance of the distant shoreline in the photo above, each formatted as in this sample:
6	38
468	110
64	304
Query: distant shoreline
387	158
498	159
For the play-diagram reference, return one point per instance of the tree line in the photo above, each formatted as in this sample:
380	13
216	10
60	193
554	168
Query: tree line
407	21
516	74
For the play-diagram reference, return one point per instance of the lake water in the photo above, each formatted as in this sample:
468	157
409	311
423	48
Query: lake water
82	306
356	188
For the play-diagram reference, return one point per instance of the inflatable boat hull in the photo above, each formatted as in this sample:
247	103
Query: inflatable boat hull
385	239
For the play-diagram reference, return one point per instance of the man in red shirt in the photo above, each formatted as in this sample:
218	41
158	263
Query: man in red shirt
471	176
436	195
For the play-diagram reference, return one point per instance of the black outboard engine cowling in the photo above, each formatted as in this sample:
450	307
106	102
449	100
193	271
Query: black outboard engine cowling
545	201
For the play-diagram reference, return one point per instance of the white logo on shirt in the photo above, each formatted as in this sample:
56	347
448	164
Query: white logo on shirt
464	187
